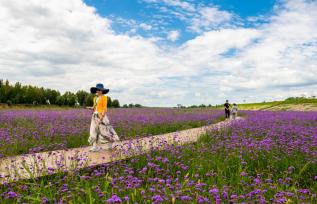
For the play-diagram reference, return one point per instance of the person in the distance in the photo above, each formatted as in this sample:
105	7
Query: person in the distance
227	109
234	111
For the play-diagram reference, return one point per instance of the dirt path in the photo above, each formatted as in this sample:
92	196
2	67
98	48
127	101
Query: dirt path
45	163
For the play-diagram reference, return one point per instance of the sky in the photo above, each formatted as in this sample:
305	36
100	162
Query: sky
163	52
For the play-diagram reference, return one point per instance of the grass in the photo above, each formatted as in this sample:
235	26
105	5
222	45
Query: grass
4	106
291	104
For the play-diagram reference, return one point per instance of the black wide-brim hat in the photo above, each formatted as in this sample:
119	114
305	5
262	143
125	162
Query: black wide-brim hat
99	87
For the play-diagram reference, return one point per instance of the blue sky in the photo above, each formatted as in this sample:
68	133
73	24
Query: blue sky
163	22
163	52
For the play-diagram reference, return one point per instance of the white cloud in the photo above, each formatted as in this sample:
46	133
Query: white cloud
198	17
209	17
285	52
176	3
131	25
173	35
145	26
66	45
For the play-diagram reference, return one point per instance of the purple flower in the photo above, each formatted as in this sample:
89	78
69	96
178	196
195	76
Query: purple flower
157	199
225	194
257	181
304	191
114	199
213	191
64	188
243	173
24	188
12	194
202	199
100	194
291	169
233	196
165	160
281	200
186	198
45	200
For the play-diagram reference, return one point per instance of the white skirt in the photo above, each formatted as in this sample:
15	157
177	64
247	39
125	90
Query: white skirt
101	132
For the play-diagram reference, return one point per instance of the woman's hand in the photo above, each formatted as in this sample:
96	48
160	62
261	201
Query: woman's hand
101	116
99	121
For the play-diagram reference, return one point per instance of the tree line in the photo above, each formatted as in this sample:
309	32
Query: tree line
27	94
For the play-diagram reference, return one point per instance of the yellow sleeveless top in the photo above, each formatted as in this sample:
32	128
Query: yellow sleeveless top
101	104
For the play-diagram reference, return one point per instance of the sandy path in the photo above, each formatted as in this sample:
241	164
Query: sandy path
44	163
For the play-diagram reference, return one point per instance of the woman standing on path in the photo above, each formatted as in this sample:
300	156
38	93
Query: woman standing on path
100	129
234	111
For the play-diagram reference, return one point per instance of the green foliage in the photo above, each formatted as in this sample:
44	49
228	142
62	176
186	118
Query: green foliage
296	100
109	101
115	103
131	105
26	94
81	96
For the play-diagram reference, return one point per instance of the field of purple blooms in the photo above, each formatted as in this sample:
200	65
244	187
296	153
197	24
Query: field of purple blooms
270	157
36	130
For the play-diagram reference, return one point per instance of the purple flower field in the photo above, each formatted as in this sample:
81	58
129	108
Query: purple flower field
34	130
286	132
270	157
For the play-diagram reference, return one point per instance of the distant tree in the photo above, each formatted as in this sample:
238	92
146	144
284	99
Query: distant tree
7	92
9	102
115	103
16	93
81	96
2	91
138	105
60	100
40	92
30	94
109	102
19	94
51	95
125	106
131	105
69	98
89	100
